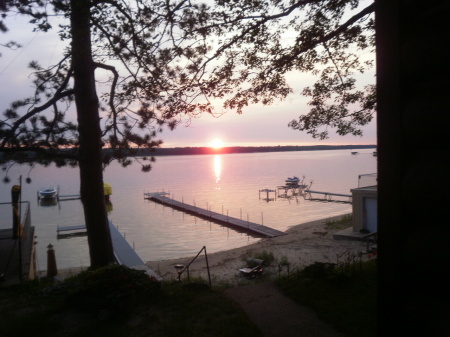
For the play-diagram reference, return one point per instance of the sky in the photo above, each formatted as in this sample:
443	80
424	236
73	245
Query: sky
258	126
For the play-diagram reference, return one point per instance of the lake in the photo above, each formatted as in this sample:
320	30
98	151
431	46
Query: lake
228	183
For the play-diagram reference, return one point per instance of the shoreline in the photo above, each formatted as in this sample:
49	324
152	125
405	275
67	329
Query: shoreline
302	245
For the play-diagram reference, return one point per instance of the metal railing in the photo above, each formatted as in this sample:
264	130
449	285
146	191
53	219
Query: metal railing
181	269
22	237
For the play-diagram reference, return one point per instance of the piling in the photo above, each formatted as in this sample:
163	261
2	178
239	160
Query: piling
51	262
15	196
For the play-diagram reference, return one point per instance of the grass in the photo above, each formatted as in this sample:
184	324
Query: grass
342	223
345	299
118	301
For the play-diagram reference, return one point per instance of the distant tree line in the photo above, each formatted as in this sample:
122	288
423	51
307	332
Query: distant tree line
245	149
174	151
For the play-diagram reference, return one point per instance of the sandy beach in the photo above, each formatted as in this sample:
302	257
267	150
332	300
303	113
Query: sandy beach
302	245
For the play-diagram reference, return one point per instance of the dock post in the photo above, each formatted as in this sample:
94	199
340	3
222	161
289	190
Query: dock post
51	262
15	197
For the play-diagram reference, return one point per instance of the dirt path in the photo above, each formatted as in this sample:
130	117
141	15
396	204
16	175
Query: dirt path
276	315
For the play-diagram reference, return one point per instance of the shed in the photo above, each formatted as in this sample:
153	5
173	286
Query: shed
365	206
365	210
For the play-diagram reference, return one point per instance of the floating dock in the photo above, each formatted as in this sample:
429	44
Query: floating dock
68	197
70	228
226	220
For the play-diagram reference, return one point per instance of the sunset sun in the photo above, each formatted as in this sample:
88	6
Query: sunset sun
216	143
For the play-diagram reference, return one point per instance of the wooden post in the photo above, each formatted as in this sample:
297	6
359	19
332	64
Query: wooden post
51	262
15	196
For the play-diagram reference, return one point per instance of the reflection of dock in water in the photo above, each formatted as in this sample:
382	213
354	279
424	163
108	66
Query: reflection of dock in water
239	224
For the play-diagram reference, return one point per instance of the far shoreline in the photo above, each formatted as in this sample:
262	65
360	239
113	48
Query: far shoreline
174	151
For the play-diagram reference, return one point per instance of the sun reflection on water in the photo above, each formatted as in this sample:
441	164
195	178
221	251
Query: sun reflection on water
218	167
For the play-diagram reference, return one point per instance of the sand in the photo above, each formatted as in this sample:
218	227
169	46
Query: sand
302	245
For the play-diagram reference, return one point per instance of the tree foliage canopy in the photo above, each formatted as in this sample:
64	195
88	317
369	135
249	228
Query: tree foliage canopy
162	61
146	66
135	66
264	42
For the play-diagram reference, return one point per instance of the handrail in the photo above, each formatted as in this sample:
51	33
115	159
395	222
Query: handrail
187	267
368	238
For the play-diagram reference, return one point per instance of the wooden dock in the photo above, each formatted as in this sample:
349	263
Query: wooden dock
123	252
68	197
327	196
226	220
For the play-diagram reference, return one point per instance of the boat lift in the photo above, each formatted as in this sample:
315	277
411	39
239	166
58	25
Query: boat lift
267	192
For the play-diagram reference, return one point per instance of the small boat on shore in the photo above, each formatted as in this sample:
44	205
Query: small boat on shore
48	193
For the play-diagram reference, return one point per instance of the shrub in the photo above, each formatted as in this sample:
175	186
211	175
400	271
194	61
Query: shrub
110	287
267	257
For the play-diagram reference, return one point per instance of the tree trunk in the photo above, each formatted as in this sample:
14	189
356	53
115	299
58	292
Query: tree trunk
90	155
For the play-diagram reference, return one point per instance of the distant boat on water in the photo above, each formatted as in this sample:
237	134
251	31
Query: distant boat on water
355	152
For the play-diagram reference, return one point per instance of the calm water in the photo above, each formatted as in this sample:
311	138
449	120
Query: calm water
223	183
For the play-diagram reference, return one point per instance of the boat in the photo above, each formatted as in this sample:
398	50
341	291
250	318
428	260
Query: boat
48	193
375	153
354	152
292	181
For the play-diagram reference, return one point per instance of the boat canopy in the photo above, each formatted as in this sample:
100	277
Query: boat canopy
107	189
